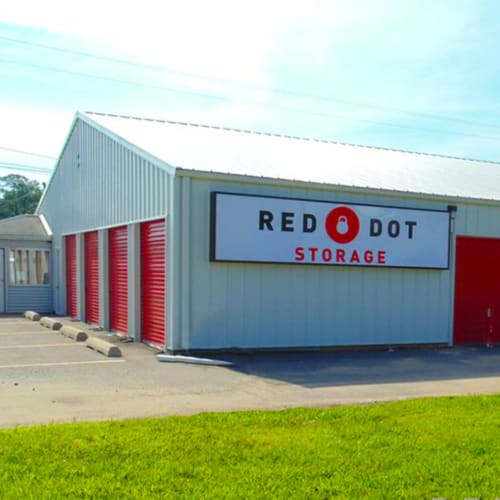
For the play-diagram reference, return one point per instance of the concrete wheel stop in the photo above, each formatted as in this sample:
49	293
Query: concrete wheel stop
32	315
104	347
50	323
73	333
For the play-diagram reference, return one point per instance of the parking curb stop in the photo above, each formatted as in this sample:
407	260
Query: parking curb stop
107	348
32	315
50	323
73	333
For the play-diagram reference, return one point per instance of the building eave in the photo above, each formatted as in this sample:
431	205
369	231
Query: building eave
362	190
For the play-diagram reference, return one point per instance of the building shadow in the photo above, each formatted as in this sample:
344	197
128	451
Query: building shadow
342	368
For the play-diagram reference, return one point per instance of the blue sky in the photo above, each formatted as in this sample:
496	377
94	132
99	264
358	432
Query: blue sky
415	75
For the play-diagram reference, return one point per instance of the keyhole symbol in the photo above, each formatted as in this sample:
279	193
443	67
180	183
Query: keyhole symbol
342	225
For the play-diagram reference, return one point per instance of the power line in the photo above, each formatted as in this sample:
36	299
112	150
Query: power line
25	168
31	153
276	90
251	103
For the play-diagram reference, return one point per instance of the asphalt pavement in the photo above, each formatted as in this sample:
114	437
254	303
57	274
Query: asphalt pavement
47	378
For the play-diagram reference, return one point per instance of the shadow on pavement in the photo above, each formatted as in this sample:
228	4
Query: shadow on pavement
340	368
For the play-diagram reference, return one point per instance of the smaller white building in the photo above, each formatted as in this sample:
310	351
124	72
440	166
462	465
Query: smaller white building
25	265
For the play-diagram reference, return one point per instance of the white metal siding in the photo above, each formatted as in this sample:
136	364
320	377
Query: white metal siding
100	183
266	305
478	220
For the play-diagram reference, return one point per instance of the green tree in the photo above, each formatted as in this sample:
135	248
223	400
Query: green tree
18	195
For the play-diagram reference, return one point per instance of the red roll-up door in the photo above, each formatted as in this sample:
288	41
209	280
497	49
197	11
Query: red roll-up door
92	277
118	279
71	276
153	281
477	291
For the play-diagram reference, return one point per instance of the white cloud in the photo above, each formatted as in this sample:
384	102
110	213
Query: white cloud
35	130
404	55
222	37
45	128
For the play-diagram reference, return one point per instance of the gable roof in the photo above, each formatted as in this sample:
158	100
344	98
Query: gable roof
194	147
25	227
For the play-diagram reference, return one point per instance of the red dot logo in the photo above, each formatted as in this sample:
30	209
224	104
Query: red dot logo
342	224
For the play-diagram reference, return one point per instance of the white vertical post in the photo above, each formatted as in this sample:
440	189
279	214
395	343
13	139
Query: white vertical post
451	270
4	278
185	261
170	252
56	274
103	243
80	276
174	267
134	281
62	280
168	342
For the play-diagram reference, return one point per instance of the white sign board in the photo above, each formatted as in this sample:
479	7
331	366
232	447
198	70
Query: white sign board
284	230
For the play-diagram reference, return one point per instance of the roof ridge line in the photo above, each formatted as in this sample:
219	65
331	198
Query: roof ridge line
285	136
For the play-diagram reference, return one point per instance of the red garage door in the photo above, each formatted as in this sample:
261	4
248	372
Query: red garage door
118	279
92	276
153	281
477	291
71	276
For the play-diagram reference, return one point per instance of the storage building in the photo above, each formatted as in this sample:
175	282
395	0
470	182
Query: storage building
25	249
194	237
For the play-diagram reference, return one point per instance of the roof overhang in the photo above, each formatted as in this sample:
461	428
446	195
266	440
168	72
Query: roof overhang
286	183
24	237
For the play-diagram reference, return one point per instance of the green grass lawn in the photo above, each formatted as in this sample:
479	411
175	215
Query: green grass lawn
446	447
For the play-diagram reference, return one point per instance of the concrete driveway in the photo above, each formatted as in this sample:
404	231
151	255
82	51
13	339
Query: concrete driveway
45	378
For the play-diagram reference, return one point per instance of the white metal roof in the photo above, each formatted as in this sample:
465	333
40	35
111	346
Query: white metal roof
229	151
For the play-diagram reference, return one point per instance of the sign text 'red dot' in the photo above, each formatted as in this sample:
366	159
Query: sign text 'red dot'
248	228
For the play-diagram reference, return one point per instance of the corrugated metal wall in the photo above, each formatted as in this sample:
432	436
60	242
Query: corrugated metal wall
265	305
100	183
36	298
478	220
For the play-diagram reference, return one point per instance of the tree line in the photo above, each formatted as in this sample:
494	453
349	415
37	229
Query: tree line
19	195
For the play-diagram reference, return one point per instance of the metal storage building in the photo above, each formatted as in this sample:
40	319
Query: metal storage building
197	237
